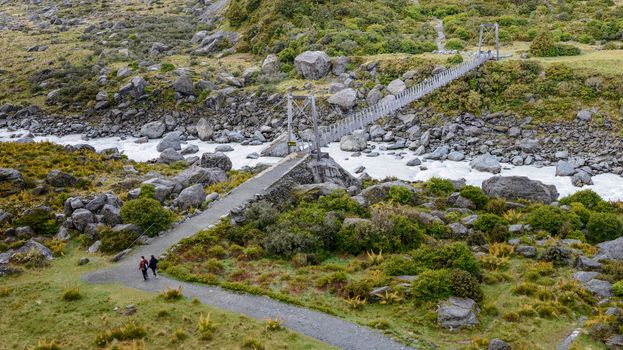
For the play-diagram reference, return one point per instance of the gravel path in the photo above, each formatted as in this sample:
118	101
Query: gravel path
326	328
441	37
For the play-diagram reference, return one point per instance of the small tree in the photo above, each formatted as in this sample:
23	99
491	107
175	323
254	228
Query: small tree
542	45
148	214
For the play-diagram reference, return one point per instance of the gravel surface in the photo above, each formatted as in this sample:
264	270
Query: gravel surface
329	329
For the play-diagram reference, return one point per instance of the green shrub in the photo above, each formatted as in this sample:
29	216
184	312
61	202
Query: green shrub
397	265
543	46
603	227
452	256
476	195
287	243
455	44
116	241
432	285
167	67
582	213
71	294
407	232
172	294
465	285
488	222
148	214
617	289
341	201
455	59
496	206
400	195
262	214
552	219
130	331
363	236
438	230
40	219
498	234
360	288
588	198
438	186
558	255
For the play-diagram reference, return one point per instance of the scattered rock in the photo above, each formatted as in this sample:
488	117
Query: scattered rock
519	187
354	142
498	344
191	197
153	130
58	178
486	163
564	168
216	160
457	313
396	86
11	181
345	99
171	140
312	64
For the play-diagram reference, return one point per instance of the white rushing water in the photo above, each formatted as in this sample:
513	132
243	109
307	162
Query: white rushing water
609	186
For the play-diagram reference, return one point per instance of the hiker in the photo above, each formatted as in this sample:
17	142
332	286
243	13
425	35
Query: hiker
143	265
153	265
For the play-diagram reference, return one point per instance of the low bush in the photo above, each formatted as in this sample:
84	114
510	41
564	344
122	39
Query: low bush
580	210
464	285
452	256
252	344
341	201
496	206
557	254
285	243
603	227
432	285
262	214
40	219
455	59
498	234
397	265
617	288
476	195
588	198
171	294
488	222
130	331
553	220
116	241
438	230
438	186
400	195
455	44
71	294
148	214
359	288
46	345
205	327
31	259
362	236
544	46
408	232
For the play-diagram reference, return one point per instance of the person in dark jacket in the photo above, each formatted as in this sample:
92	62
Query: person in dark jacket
143	265
153	265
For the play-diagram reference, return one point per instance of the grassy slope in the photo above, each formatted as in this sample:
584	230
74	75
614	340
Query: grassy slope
33	310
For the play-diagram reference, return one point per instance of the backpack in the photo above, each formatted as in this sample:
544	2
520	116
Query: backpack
143	265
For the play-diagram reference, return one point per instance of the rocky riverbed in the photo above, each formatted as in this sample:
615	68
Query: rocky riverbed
378	161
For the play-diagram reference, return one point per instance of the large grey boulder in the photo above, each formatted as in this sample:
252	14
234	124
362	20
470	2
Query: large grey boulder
162	188
184	85
111	215
581	178
58	178
81	218
486	163
204	130
191	197
344	99
519	187
171	140
271	65
355	142
610	250
216	160
457	313
199	175
396	86
169	156
5	217
498	344
95	204
584	115
11	181
529	145
153	130
30	245
439	153
313	64
564	168
599	287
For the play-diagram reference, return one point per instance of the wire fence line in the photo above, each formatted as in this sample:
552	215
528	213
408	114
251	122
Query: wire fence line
360	119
